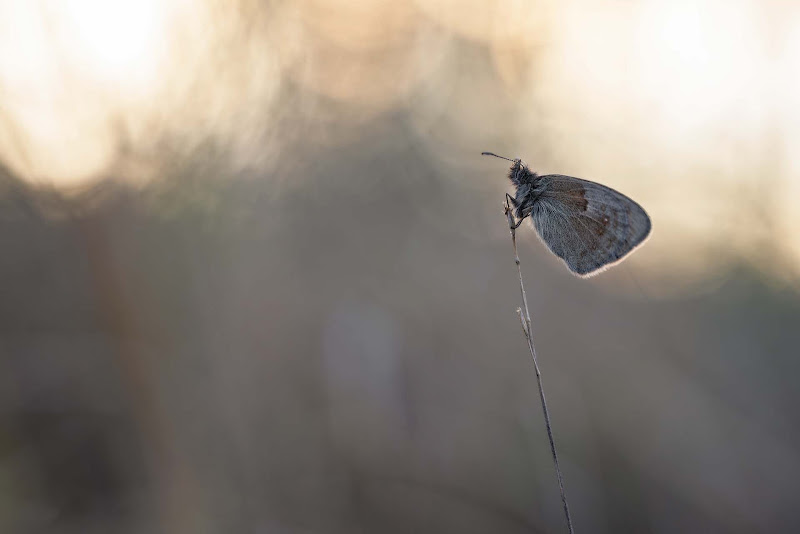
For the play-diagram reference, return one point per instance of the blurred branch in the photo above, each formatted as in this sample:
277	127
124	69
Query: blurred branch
525	319
176	493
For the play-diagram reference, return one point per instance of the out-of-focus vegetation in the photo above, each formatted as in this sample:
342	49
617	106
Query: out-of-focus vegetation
255	275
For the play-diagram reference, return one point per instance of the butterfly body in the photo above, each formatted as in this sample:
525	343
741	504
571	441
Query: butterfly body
586	224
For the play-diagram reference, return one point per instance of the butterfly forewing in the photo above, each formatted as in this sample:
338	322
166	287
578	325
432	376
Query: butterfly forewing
586	224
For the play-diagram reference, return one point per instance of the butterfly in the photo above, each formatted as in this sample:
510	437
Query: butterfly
589	226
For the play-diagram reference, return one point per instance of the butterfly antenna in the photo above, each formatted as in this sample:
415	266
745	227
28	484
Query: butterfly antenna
495	155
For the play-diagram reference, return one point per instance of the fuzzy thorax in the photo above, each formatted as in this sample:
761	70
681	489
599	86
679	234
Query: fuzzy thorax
525	181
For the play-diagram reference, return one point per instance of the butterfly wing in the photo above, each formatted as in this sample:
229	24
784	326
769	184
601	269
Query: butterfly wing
588	225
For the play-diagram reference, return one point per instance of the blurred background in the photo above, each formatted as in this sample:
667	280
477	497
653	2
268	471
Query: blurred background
255	275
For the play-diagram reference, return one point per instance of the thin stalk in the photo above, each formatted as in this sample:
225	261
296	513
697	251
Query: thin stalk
525	319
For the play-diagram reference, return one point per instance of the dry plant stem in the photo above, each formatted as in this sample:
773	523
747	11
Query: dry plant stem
526	329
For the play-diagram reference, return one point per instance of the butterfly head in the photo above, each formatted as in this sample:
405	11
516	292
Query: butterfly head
519	173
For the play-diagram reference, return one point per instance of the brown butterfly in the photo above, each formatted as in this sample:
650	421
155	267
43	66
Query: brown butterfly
589	226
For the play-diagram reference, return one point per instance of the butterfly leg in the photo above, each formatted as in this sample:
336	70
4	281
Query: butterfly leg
509	211
511	201
519	222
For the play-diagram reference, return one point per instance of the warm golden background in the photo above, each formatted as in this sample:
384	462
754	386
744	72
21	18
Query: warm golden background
255	276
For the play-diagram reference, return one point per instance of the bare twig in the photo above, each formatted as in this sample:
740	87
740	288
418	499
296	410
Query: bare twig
525	319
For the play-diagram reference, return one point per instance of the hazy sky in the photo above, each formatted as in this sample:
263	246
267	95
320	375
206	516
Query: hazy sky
692	108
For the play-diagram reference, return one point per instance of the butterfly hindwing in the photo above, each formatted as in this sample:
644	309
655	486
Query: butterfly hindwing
586	224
